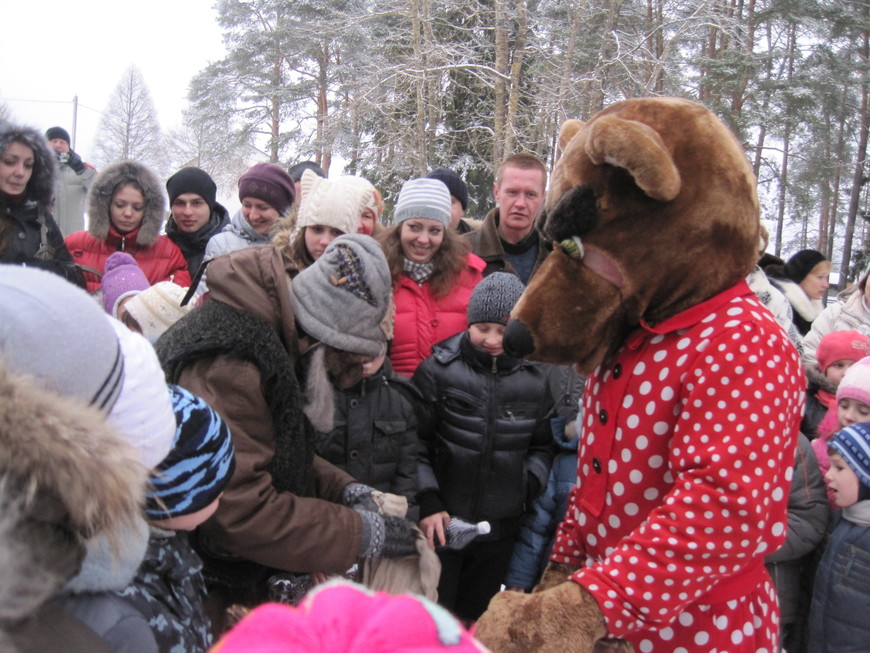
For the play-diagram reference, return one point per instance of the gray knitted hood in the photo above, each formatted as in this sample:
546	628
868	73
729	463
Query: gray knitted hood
112	178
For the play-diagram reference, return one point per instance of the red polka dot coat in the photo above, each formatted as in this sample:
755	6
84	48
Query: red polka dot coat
683	474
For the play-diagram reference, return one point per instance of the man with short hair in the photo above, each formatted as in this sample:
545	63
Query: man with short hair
71	186
195	215
507	240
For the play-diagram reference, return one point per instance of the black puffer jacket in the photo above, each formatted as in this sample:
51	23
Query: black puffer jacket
28	233
375	434
486	445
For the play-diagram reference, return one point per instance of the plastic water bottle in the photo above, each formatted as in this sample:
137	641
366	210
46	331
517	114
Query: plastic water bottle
460	533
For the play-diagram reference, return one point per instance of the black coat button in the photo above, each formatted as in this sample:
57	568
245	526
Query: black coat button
596	465
354	454
602	416
617	370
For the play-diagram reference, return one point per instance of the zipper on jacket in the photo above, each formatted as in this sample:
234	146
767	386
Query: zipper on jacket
486	458
494	365
123	243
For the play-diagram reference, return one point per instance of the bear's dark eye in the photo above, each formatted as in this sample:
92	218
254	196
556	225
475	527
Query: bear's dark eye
575	214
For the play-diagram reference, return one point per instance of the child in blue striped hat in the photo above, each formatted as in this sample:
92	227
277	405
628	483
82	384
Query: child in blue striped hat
843	574
185	491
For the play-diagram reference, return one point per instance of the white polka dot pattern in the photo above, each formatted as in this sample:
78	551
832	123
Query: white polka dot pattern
682	479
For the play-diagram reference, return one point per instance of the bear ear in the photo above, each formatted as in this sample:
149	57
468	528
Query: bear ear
638	149
567	131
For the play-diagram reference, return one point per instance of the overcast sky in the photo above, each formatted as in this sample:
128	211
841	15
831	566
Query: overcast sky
51	51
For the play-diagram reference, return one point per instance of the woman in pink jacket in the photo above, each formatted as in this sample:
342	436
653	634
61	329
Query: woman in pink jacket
432	269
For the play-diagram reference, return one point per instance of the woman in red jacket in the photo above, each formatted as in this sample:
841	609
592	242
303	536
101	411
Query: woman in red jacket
125	213
432	269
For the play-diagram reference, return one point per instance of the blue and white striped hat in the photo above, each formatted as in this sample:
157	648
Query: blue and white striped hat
199	465
853	444
423	198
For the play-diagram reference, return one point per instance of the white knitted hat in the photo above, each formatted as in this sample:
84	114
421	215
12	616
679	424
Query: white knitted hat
158	308
336	203
143	412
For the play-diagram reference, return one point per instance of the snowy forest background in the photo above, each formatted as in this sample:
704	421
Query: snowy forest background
389	89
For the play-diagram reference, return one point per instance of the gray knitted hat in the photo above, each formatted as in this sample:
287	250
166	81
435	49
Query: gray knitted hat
493	298
344	298
423	198
55	332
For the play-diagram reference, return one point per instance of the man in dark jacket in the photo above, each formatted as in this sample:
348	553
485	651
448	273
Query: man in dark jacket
508	240
195	214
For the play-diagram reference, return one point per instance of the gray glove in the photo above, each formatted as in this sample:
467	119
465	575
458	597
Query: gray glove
386	537
359	497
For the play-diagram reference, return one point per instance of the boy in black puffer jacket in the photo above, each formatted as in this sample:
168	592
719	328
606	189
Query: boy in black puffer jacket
486	446
374	437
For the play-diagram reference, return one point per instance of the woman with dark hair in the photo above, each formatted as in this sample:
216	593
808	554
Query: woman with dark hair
804	281
125	214
433	273
28	233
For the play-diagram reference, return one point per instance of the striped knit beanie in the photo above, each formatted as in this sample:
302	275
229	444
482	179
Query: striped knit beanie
423	198
199	465
57	333
853	444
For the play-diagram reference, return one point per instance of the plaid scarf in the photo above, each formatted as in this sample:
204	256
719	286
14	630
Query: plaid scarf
419	272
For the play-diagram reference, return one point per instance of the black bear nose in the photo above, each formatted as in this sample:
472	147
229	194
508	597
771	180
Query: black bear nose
517	341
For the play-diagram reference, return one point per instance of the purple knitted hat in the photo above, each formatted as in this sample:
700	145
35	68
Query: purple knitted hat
856	382
121	278
270	183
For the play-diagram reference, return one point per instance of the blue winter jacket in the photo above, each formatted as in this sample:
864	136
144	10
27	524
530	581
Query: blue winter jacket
841	596
535	539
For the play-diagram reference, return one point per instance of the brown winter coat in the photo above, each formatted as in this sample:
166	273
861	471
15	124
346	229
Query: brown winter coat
255	520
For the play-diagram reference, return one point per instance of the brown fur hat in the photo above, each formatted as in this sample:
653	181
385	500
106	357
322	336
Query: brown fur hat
643	192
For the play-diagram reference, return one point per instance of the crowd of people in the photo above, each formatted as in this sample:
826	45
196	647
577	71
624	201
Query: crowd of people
308	390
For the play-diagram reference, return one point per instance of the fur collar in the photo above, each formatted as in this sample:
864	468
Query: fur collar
104	187
65	476
40	188
807	308
216	329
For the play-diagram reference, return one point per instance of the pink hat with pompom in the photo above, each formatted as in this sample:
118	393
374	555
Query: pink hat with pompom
343	616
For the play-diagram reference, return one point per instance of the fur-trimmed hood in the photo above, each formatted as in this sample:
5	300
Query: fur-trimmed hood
65	476
40	188
110	180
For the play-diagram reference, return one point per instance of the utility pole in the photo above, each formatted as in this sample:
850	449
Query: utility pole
75	118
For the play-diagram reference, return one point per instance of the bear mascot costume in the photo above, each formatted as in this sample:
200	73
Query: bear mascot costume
693	402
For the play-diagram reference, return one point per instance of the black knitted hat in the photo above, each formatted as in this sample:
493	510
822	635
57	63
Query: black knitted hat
57	132
802	263
192	180
493	298
454	184
295	171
